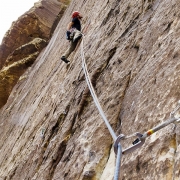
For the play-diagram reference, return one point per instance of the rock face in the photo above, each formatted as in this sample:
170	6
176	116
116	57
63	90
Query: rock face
22	58
50	127
24	41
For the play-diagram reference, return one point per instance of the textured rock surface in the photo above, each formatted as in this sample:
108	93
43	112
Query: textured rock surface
22	58
25	40
50	127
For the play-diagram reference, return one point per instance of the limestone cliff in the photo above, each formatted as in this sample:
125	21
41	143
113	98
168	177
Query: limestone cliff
24	41
50	127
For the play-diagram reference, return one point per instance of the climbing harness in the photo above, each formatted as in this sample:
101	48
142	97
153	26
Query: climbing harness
140	137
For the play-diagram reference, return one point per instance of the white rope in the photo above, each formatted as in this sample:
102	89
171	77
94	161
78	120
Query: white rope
119	154
118	163
94	95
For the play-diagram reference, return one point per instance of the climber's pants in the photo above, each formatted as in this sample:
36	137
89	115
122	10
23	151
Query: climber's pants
72	46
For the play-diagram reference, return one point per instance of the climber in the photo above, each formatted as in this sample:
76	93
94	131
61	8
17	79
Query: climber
73	34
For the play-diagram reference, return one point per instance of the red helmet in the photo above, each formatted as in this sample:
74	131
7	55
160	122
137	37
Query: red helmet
75	14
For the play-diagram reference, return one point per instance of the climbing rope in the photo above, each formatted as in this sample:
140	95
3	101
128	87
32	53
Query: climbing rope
119	149
94	95
118	162
140	137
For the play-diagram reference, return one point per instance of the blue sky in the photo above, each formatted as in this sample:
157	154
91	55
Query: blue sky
10	10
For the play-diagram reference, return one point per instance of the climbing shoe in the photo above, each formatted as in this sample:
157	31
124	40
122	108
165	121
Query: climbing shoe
63	58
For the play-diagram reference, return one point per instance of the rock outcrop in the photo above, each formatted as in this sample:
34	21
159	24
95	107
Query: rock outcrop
19	46
17	63
50	127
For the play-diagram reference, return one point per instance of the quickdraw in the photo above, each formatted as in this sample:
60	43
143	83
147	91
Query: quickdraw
137	143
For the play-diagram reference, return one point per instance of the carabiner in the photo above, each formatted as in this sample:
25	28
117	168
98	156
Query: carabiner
138	143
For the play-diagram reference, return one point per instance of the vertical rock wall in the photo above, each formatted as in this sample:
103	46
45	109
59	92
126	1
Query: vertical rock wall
50	127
